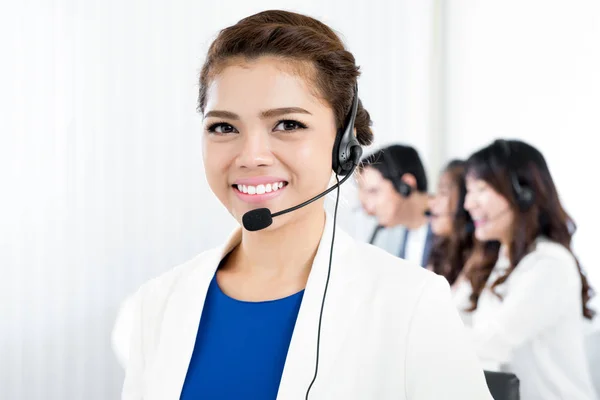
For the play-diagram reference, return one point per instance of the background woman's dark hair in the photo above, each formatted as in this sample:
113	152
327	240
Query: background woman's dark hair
396	160
293	37
449	254
546	216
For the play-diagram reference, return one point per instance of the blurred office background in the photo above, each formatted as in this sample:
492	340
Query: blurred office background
100	145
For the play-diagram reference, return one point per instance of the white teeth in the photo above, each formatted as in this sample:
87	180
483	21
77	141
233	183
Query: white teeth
260	189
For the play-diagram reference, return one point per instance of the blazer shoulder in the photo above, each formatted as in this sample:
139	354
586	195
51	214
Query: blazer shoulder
546	249
549	259
158	289
373	263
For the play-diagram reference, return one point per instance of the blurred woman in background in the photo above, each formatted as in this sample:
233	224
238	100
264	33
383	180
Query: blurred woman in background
451	224
527	300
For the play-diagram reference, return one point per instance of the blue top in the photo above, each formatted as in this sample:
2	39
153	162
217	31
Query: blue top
240	347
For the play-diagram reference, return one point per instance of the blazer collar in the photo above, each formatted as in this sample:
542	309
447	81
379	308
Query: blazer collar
184	309
301	357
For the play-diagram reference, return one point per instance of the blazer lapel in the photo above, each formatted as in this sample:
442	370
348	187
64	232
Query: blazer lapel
181	319
301	358
183	311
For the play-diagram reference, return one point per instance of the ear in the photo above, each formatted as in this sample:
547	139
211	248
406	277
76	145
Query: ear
410	180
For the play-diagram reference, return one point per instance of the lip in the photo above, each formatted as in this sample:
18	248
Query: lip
258	180
257	198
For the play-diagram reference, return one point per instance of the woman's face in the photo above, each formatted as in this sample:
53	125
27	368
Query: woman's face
491	212
443	206
267	139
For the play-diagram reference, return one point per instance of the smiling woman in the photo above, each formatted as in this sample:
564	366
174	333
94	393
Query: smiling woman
296	308
527	299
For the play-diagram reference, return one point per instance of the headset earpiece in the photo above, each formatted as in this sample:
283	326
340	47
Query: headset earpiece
403	188
347	151
525	198
524	195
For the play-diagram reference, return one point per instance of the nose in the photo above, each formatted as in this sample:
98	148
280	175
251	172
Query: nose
369	208
367	204
469	202
255	151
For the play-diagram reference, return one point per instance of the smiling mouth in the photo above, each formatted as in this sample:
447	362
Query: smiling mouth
478	222
260	189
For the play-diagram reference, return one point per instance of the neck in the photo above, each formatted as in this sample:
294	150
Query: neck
505	248
414	214
287	251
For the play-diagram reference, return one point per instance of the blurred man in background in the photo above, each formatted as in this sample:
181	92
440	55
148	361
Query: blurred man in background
393	188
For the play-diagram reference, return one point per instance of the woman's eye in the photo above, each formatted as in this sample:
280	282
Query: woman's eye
289	125
221	128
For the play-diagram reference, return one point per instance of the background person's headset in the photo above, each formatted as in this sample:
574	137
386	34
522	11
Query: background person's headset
524	196
347	152
395	175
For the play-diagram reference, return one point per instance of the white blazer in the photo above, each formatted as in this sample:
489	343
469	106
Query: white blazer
389	330
537	330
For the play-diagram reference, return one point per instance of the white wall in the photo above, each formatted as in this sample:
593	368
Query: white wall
530	70
101	165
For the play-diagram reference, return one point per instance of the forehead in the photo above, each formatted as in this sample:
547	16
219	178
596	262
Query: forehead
446	180
369	177
472	179
262	84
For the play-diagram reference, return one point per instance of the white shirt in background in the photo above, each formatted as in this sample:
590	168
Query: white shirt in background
415	245
537	331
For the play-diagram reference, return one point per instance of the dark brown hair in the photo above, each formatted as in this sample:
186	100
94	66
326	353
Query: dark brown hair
545	217
449	254
295	38
396	160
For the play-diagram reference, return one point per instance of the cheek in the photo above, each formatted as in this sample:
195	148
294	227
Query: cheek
312	162
313	154
446	225
216	161
388	201
445	205
493	204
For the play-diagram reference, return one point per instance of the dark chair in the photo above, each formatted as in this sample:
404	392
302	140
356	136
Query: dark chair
502	385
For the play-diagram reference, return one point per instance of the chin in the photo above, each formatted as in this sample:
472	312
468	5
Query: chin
483	236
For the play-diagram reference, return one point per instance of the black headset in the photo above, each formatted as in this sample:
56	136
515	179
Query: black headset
401	187
343	159
523	194
347	152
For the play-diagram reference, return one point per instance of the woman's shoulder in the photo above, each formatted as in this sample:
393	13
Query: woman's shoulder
375	266
159	288
550	259
399	287
546	251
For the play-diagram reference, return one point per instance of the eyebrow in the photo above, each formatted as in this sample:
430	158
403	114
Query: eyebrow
275	112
